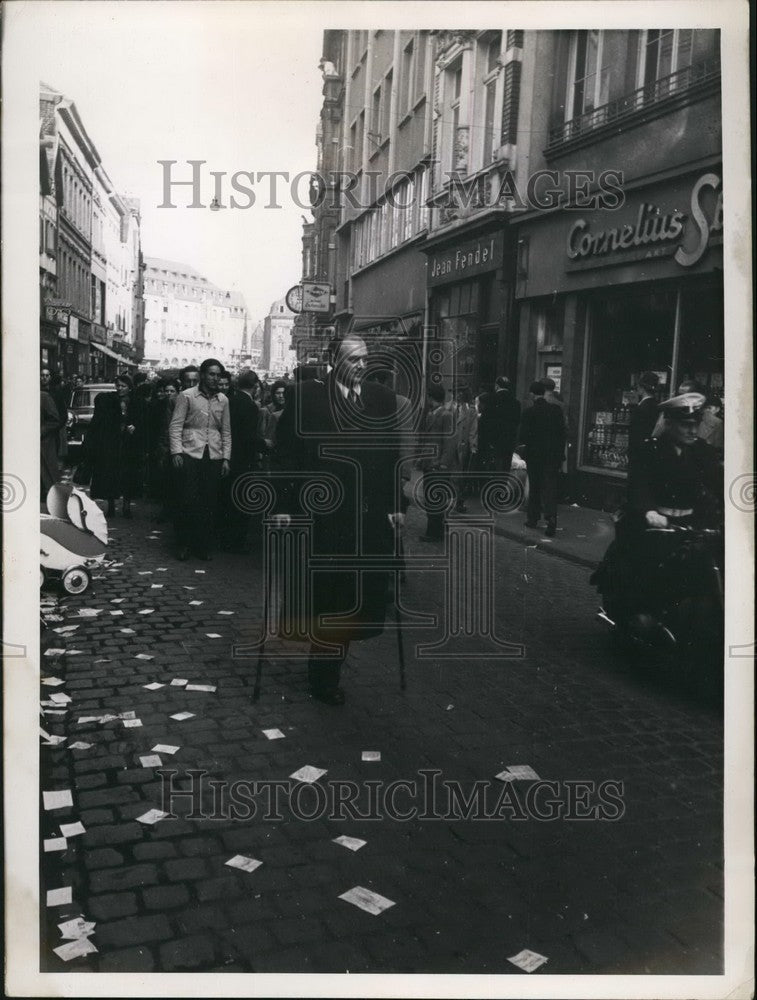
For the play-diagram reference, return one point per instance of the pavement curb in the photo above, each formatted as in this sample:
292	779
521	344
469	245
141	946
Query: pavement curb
551	549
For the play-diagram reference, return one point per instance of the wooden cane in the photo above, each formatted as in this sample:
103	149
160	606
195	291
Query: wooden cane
259	667
400	646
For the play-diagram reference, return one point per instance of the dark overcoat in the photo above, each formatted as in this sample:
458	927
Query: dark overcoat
363	458
114	455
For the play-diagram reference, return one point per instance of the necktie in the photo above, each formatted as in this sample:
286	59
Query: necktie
354	399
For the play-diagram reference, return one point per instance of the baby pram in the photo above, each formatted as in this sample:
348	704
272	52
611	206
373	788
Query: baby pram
73	538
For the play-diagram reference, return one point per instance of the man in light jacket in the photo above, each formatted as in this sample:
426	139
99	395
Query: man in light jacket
200	439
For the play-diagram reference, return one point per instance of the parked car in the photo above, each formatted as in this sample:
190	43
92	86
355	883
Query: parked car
80	410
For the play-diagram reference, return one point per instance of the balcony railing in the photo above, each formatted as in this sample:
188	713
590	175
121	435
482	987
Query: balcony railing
674	85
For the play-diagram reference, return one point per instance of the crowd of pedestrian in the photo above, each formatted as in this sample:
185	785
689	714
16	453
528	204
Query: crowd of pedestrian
179	441
184	441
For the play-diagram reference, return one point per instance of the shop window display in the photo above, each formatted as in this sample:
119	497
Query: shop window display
634	332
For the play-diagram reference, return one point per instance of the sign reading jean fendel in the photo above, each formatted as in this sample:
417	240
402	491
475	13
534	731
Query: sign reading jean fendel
465	260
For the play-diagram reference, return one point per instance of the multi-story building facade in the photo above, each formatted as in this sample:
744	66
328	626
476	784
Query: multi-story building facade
278	356
313	330
87	291
48	251
621	271
531	203
188	318
428	137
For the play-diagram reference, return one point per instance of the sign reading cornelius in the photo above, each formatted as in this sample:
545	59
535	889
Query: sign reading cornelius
654	233
465	261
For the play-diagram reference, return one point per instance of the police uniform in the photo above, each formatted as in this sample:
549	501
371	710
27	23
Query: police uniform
682	482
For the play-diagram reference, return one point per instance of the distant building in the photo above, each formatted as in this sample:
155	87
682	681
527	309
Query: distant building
90	252
278	356
188	318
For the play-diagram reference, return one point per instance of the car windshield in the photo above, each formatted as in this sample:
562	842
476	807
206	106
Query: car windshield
85	397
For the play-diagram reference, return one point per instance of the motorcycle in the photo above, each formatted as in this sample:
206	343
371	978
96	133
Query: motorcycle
675	609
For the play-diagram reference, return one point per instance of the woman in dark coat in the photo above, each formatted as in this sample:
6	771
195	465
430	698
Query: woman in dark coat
50	424
114	446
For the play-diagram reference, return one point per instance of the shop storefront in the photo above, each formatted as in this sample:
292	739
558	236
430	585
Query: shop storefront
469	304
608	295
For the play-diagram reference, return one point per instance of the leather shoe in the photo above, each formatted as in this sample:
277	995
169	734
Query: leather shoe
550	529
329	696
183	554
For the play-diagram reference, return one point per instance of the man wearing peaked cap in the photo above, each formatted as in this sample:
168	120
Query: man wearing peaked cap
677	476
677	479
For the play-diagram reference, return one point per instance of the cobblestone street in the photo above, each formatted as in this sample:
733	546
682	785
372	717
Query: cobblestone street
640	894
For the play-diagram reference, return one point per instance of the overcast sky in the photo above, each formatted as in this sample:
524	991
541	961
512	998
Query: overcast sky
236	85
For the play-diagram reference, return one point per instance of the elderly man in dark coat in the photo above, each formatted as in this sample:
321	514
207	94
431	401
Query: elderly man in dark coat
340	431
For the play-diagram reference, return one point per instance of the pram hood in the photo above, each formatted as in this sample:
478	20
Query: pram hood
71	506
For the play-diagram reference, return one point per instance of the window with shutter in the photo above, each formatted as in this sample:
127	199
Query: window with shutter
515	39
510	103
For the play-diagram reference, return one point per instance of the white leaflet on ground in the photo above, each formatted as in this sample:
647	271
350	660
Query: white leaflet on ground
115	613
80	746
164	748
370	755
308	774
75	949
127	715
118	600
244	864
144	572
151	760
127	631
54	652
151	817
226	612
72	829
200	571
201	687
144	656
156	586
76	928
55	844
154	686
57	800
518	772
371	902
60	698
132	723
179	682
212	635
194	604
273	734
54	741
146	611
59	897
65	629
52	681
351	843
527	960
181	716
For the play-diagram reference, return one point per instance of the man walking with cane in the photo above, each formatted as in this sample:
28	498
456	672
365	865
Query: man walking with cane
342	431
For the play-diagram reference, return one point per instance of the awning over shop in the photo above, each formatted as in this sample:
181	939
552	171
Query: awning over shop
113	354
